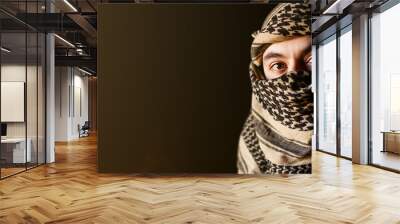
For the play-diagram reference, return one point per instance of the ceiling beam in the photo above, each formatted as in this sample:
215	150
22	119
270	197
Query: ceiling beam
83	61
84	24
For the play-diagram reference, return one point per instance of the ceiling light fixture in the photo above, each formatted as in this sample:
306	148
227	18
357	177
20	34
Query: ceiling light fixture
337	7
70	5
84	71
5	50
65	41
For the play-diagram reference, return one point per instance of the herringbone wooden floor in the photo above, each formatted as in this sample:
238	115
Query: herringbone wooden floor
71	191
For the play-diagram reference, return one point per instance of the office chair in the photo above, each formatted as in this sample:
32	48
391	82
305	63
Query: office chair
84	130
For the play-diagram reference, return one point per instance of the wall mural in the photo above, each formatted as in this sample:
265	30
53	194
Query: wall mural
178	98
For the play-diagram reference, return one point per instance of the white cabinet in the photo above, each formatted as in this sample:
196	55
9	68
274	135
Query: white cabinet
19	155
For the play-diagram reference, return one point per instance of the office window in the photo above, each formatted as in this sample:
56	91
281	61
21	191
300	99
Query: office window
345	59
385	88
327	95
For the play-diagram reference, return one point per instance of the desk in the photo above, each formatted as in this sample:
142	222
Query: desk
13	150
391	141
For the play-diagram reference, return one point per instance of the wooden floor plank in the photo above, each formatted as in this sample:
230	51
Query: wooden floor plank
71	191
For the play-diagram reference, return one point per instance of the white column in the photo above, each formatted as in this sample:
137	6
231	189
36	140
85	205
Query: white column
360	90
50	91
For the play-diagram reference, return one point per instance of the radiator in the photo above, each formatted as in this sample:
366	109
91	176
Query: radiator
391	142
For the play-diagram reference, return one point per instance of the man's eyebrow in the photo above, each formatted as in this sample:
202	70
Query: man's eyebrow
273	55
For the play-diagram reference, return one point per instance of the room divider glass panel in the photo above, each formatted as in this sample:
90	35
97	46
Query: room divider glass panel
345	57
22	61
385	89
41	79
32	95
34	70
326	73
15	151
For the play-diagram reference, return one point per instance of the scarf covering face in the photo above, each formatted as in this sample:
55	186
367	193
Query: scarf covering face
276	137
288	99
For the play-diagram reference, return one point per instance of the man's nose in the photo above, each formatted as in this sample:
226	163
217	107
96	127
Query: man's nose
296	66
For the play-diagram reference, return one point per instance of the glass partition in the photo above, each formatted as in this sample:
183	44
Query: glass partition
385	89
326	73
41	97
14	153
345	58
31	99
22	88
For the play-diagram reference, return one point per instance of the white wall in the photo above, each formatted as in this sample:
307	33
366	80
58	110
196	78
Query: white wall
16	73
80	112
13	72
71	87
62	81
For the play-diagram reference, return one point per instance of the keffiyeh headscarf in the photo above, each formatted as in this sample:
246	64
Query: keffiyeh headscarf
276	138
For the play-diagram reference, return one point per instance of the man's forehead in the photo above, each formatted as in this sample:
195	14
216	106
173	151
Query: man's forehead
285	48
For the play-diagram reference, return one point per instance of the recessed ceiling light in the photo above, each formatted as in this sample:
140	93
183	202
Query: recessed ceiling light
65	41
337	7
84	71
5	50
70	5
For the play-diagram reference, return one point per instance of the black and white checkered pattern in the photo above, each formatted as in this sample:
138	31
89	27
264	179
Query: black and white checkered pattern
288	99
266	166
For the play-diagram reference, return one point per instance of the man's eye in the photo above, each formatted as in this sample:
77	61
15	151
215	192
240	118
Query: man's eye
309	64
309	60
278	66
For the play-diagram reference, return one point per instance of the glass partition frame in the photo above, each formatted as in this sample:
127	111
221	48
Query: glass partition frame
33	65
335	150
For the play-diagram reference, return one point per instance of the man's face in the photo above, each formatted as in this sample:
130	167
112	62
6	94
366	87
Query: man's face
287	56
